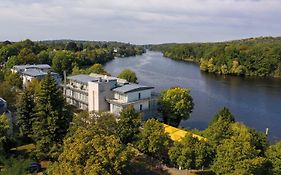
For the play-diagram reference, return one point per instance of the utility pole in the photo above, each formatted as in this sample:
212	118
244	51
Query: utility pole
64	84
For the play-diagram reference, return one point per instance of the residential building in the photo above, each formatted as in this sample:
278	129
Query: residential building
100	93
22	68
30	72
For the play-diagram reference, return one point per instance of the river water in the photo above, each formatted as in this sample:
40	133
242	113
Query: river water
255	102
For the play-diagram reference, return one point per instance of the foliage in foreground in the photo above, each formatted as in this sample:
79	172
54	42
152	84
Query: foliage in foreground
128	125
153	140
190	153
91	152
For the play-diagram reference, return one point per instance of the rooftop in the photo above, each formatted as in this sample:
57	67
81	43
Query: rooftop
30	66
131	88
36	72
106	77
177	134
82	78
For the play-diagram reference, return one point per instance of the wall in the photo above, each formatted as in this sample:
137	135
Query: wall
134	96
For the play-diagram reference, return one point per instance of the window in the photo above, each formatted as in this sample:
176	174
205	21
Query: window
139	95
140	107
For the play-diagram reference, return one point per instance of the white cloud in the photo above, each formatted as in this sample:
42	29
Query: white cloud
140	21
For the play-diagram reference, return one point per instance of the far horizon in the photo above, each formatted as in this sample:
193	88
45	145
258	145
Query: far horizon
78	40
139	22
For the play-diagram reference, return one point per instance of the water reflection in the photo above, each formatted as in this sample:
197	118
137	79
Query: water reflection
256	102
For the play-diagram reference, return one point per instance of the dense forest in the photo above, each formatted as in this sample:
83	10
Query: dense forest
63	54
248	57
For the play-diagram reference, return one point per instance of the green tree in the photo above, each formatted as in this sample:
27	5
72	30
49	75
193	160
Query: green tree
190	153
15	166
128	125
98	69
25	112
90	152
107	122
4	127
8	93
128	75
153	140
239	155
51	119
219	127
175	104
71	46
13	79
63	61
273	153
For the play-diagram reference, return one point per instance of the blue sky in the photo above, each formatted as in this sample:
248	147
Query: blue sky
139	21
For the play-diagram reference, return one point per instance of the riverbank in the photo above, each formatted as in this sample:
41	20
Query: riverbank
255	102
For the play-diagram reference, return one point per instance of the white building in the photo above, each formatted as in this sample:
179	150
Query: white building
30	72
104	93
21	68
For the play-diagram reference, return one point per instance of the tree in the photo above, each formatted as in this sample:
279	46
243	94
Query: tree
4	127
8	93
71	46
25	112
190	153
273	153
128	125
13	79
219	127
175	104
63	61
98	69
239	155
107	122
90	152
128	75
153	140
51	119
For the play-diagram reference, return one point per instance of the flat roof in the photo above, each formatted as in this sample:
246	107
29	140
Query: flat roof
131	88
36	73
177	134
30	66
109	78
82	78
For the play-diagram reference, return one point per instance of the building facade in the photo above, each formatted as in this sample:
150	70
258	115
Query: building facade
101	93
30	72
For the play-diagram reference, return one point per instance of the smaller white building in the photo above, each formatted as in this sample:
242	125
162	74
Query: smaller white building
139	96
30	72
22	68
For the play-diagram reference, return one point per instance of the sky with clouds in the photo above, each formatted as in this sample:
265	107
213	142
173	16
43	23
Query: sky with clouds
139	21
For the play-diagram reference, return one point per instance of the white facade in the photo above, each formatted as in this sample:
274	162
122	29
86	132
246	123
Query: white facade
102	93
30	72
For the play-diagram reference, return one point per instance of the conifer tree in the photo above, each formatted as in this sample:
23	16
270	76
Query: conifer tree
51	118
25	112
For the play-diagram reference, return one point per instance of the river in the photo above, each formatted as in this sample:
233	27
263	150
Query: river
255	102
